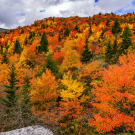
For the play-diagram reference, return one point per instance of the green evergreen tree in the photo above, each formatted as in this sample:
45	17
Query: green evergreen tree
109	52
39	33
134	31
10	89
43	44
100	13
46	26
43	26
102	34
53	19
59	37
126	41
79	31
26	41
26	113
17	48
76	27
52	65
107	23
89	18
90	30
22	31
86	53
10	103
4	59
30	35
66	33
31	41
33	34
115	50
115	45
116	27
112	13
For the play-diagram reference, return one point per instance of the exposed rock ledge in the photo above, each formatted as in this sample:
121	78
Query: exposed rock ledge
31	130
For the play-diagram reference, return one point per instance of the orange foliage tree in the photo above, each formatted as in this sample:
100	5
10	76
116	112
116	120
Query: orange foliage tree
44	94
71	94
115	98
28	55
58	56
80	46
71	61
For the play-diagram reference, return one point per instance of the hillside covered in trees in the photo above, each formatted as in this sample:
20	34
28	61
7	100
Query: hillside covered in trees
74	75
3	30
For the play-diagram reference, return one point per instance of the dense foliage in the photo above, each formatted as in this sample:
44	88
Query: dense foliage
75	75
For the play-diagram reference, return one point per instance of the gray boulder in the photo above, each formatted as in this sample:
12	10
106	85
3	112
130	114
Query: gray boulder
31	130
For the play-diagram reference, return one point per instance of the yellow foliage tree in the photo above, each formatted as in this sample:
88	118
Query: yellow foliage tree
68	45
72	89
23	57
71	61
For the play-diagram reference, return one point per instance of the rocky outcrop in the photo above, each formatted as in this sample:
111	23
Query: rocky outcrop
31	130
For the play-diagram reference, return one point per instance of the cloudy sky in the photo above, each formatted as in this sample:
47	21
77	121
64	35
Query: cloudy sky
15	13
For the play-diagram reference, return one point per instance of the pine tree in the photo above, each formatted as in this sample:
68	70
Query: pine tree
115	50
76	27
66	33
115	45
17	48
116	27
31	41
90	30
10	89
26	92
4	59
33	34
10	104
79	31
39	33
134	31
43	26
22	31
108	54
59	37
26	41
102	34
111	54
26	113
126	41
86	53
107	22
43	44
30	35
50	64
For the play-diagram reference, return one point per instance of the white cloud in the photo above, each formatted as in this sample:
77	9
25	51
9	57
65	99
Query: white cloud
11	9
113	5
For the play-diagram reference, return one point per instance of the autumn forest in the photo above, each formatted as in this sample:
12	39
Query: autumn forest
74	75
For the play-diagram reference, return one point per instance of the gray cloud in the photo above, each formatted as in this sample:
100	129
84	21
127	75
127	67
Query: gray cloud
15	13
65	13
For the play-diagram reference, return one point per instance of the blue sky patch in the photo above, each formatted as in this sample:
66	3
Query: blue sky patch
42	11
121	11
96	0
21	14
